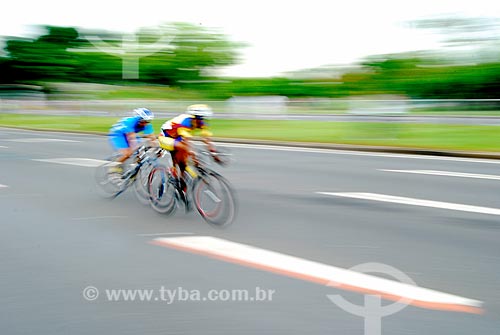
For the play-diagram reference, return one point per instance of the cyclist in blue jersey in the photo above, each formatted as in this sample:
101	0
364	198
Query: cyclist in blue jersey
123	134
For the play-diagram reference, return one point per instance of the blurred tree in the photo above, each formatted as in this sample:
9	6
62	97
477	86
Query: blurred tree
187	55
170	54
45	58
191	51
466	39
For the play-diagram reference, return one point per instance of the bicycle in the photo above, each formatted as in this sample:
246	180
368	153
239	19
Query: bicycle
212	194
114	183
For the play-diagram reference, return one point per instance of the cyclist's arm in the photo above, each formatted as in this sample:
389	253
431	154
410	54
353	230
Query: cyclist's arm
128	128
210	145
148	133
132	140
185	133
184	143
150	137
206	135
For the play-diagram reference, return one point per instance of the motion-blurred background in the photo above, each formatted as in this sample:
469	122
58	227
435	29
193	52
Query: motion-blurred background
419	75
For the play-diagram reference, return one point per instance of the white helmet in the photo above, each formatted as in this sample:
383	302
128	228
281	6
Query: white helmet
144	113
200	110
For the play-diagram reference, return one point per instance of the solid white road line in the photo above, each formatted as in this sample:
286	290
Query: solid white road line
414	202
86	162
446	174
305	149
317	272
165	234
41	140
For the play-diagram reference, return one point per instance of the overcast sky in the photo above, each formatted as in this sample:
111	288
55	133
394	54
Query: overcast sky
282	35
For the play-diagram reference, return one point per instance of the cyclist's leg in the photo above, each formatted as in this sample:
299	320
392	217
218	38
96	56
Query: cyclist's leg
120	144
181	156
180	152
168	143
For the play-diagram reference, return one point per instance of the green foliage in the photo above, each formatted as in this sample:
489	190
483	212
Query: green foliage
62	55
46	58
185	61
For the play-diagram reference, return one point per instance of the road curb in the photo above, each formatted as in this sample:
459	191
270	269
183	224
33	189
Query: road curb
315	145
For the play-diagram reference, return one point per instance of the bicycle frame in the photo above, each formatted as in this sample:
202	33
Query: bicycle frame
129	177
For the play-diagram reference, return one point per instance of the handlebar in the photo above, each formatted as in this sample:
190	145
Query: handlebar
221	158
142	150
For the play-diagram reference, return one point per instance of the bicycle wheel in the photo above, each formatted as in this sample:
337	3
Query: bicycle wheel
111	183
215	200
141	184
162	193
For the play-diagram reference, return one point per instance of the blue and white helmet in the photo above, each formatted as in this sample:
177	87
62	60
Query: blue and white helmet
200	110
144	113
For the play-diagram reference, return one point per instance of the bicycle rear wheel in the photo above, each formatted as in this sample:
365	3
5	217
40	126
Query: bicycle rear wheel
215	200
110	183
162	193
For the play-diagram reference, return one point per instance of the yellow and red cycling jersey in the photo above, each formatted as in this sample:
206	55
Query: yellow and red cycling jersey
183	125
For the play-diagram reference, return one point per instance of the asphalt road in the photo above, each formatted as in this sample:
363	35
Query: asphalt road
58	237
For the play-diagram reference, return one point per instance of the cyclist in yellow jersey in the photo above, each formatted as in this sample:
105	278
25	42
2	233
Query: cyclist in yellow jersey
176	133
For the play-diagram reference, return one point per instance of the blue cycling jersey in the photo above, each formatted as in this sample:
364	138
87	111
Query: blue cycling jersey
130	125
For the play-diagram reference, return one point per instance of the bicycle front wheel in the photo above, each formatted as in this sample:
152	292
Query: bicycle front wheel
162	193
110	182
215	200
141	184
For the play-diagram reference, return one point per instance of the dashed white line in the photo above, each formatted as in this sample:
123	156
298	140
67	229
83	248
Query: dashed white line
317	272
355	246
165	234
99	218
41	140
446	174
3	186
86	162
21	195
414	202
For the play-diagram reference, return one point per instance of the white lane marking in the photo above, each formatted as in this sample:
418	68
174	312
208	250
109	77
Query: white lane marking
446	174
100	217
414	202
3	147
22	195
41	140
355	246
309	270
164	234
356	153
86	162
330	151
2	186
